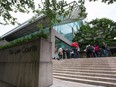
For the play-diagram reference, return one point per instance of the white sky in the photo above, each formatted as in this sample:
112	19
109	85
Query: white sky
94	10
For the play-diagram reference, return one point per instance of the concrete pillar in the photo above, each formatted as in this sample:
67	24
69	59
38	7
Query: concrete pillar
53	34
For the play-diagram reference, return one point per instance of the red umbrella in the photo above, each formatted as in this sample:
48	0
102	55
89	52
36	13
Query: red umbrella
74	44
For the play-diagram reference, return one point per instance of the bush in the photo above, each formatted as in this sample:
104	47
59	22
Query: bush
26	39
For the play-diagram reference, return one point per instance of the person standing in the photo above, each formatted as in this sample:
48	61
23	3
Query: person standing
104	48
78	52
67	53
60	53
96	50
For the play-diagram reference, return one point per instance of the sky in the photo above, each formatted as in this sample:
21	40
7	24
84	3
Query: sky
94	10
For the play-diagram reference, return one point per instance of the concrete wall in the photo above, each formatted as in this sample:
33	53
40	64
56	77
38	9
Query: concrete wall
26	65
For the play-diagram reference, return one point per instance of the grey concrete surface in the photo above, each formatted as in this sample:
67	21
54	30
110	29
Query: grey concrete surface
62	83
26	65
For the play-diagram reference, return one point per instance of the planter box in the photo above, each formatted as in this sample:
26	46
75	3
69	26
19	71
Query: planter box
26	65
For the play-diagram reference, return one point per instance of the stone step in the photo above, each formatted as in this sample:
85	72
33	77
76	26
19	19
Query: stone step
93	82
85	64
96	78
92	71
74	67
95	71
88	74
87	68
63	83
77	63
87	61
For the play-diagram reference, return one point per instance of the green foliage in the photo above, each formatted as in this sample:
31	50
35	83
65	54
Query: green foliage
106	1
106	27
82	8
25	39
114	55
53	9
8	6
111	42
57	10
40	26
96	32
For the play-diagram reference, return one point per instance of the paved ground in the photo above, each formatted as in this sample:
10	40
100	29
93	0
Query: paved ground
62	83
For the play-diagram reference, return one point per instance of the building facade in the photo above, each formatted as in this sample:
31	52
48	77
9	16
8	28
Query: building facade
60	35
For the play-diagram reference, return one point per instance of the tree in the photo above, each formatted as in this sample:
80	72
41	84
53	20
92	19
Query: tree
105	28
25	6
8	6
50	8
106	1
95	32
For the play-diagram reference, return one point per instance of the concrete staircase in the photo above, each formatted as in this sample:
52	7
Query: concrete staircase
95	71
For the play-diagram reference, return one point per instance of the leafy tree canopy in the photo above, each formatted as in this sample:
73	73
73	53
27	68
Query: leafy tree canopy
106	1
8	6
95	32
25	6
50	8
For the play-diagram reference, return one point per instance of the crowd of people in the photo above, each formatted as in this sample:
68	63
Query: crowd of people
90	50
68	53
96	51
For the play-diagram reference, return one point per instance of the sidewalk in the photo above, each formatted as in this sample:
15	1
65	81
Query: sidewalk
62	83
